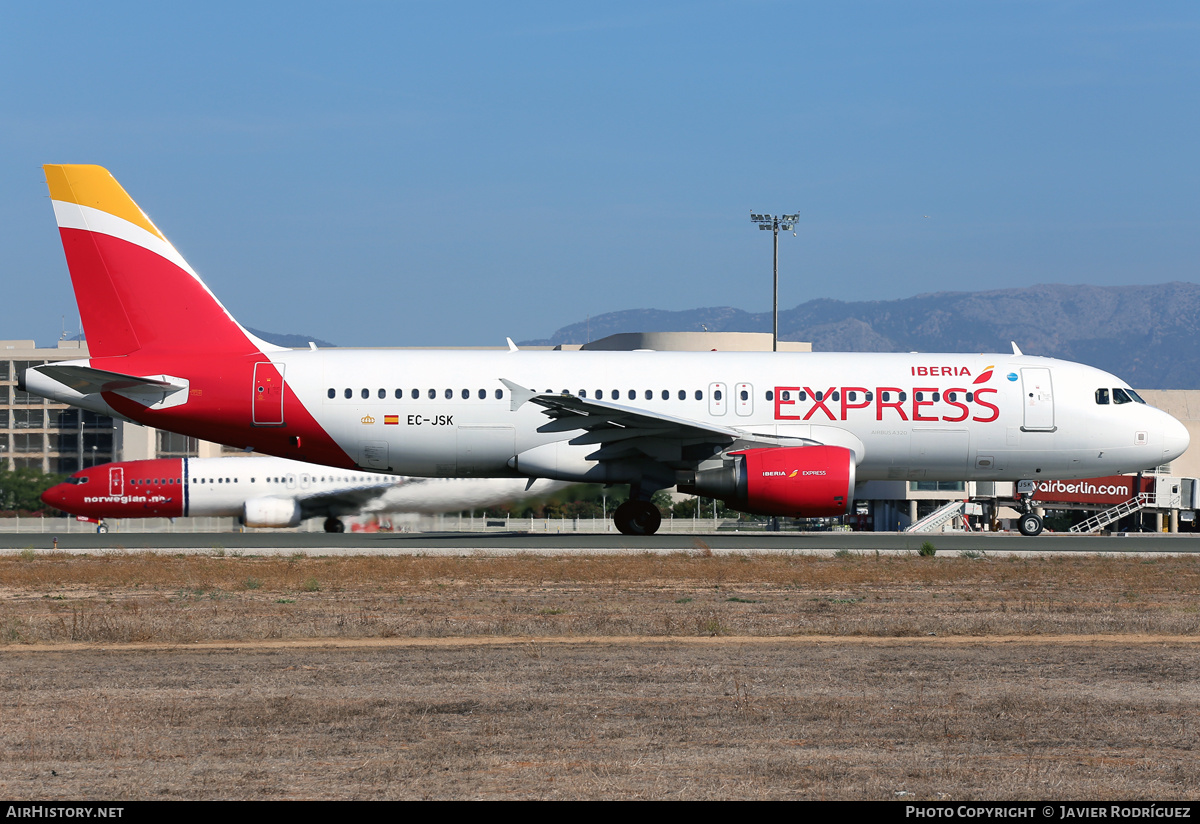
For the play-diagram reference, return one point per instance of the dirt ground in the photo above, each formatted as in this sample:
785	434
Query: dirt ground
688	676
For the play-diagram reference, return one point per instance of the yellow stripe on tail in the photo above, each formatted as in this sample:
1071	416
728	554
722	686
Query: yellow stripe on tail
93	186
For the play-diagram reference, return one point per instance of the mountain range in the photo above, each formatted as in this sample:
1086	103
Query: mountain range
1147	335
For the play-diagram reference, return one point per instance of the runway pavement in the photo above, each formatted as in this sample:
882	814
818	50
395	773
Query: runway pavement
465	543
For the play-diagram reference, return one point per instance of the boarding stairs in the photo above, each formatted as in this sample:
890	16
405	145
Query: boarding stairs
939	517
1103	519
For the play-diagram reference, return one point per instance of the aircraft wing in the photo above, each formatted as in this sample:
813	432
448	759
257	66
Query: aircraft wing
622	431
429	495
335	503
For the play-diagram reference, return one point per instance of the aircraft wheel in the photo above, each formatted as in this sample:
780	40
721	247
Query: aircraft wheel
1030	525
334	525
637	518
102	528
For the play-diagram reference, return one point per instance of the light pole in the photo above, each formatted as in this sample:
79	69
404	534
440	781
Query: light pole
773	223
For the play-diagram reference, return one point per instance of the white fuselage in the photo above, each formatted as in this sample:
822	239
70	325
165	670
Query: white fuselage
1034	417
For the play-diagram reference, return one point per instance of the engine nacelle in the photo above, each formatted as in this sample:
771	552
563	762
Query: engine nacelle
271	512
794	481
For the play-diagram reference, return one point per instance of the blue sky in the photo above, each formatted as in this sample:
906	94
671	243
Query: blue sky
448	174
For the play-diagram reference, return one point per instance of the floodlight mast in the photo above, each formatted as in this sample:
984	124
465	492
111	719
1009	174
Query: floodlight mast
774	223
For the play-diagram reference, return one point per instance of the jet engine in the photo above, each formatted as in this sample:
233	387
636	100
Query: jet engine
271	512
794	481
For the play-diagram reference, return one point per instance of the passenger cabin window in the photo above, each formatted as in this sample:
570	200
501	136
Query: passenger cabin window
349	394
333	393
482	394
432	394
399	394
416	393
366	393
683	394
499	394
666	394
770	395
449	394
649	394
699	395
1102	397
466	394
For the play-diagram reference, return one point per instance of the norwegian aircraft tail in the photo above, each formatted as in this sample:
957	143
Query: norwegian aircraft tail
135	291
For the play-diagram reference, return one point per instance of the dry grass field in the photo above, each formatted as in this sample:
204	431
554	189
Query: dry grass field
129	676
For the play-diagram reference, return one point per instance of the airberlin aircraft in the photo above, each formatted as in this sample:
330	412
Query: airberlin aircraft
269	492
772	433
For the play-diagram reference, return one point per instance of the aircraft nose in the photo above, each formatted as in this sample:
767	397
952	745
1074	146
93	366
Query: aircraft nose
55	496
1175	440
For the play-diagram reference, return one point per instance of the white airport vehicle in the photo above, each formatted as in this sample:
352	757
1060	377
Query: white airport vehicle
772	433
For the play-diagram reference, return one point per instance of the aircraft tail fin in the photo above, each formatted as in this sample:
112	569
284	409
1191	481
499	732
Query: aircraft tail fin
134	290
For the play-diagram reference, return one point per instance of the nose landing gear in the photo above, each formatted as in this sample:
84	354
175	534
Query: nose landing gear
1030	523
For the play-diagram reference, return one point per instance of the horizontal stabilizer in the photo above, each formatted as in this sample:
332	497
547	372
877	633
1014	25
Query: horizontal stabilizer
154	391
85	380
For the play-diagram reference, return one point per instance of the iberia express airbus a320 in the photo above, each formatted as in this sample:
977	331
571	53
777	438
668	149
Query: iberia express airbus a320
773	433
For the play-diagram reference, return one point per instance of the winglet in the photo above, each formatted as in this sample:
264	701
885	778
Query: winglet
512	347
1016	350
519	394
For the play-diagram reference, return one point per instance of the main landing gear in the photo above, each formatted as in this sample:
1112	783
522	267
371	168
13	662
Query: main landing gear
334	525
637	518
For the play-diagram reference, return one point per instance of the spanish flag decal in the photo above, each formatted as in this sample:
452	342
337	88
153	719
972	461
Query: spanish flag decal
391	420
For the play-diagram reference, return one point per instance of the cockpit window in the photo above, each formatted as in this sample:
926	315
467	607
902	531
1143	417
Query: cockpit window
1102	397
1135	396
1120	396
